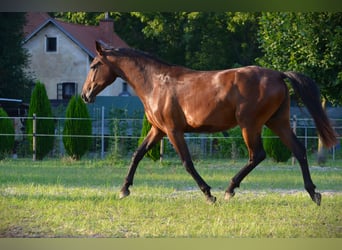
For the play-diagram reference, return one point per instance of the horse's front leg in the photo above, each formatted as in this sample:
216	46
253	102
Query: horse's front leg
177	140
153	136
256	155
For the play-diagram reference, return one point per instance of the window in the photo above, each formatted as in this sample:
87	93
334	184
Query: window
66	90
124	90
69	89
51	44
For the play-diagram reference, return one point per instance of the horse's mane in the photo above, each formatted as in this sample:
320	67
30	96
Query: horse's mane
138	54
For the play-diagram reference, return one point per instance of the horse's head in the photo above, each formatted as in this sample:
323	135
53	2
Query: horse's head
100	75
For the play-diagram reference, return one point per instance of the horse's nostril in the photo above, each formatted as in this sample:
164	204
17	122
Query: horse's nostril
84	97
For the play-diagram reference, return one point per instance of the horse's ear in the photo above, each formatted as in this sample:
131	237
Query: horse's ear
99	48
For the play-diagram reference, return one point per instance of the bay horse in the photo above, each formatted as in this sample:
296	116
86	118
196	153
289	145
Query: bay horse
179	100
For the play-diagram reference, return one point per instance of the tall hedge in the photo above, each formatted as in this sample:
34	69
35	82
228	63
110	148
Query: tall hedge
274	147
6	141
153	153
40	105
77	146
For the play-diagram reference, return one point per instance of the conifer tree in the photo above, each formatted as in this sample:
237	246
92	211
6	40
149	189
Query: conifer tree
274	147
6	141
77	146
45	126
153	153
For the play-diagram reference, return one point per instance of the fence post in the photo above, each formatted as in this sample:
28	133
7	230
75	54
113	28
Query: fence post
34	130
294	129
161	149
102	132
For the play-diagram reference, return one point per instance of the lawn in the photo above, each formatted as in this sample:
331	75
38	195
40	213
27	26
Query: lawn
61	198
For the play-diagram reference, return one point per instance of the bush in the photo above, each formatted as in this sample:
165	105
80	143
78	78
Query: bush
40	105
6	141
153	153
119	126
231	145
274	147
76	147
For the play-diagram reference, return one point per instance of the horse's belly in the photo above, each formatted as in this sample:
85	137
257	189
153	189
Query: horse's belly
211	122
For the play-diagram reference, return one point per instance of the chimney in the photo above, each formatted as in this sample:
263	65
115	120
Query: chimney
107	29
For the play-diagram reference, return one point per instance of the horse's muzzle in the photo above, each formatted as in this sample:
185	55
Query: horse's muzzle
88	98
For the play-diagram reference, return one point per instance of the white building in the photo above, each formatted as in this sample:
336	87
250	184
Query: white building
61	52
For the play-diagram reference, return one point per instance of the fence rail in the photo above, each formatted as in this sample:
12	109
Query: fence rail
122	135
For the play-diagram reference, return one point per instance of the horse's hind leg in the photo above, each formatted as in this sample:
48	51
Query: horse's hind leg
177	140
153	136
281	127
257	154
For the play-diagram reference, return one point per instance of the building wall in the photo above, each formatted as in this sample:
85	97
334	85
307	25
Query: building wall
68	64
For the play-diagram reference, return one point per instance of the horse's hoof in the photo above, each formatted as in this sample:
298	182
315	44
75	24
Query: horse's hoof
124	193
211	199
317	198
228	196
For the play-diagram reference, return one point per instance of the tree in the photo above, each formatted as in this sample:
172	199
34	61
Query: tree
198	40
45	127
86	18
77	146
13	57
274	147
221	40
154	152
6	127
310	43
202	40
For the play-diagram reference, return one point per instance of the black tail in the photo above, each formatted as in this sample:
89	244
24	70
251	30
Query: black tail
308	91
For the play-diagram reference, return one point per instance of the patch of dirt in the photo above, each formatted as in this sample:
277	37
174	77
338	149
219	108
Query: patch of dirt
13	232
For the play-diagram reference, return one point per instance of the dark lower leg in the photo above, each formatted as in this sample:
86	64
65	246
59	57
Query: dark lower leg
151	139
236	180
291	141
177	139
137	156
205	188
310	187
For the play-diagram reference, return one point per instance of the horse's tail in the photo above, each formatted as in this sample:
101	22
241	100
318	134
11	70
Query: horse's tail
308	91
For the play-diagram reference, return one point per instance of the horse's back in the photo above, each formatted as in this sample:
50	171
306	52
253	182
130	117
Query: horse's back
211	101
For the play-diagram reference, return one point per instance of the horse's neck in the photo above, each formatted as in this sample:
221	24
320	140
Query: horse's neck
137	76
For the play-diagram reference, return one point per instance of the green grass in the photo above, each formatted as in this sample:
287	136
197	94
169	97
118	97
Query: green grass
59	198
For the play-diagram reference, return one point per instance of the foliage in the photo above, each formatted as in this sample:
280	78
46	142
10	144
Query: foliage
87	18
40	105
6	127
77	146
125	128
231	145
274	147
154	152
192	39
310	43
13	57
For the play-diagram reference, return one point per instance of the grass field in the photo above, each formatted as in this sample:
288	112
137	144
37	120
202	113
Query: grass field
60	198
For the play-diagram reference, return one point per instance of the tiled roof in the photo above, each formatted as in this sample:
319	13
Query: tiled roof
33	21
82	35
